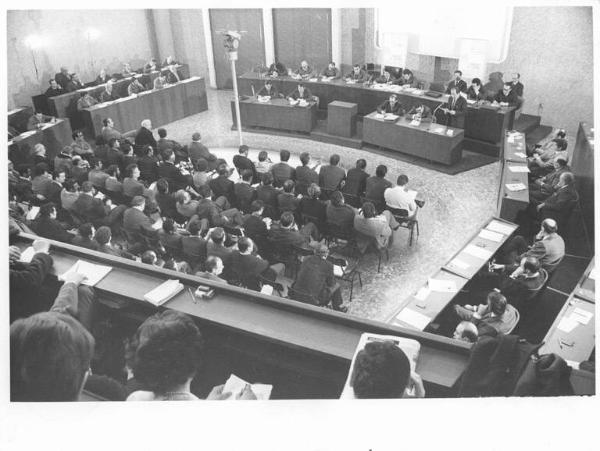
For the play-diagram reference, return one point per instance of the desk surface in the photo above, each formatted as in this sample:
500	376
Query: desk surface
276	114
510	203
54	136
586	288
268	318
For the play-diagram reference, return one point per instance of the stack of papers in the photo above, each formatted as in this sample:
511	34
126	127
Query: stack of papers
515	186
236	385
93	273
164	292
390	117
338	271
500	227
457	263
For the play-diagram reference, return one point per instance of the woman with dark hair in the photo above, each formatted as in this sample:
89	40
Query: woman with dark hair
165	355
50	357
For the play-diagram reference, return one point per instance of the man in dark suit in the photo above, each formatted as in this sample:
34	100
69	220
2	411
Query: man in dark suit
134	219
338	213
144	135
172	173
63	78
507	96
114	155
47	226
316	279
392	105
74	84
164	143
54	90
420	112
277	69
198	150
305	175
255	228
556	205
267	194
268	90
517	86
301	92
357	75
356	180
387	78
407	79
282	171
90	208
242	162
194	246
475	91
247	267
284	235
331	176
457	82
455	109
244	192
222	186
376	186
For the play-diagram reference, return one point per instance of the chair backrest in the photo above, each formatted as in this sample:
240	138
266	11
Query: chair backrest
533	292
302	296
517	318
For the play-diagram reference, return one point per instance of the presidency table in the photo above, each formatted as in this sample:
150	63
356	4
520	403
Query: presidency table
161	106
483	123
54	136
276	114
419	140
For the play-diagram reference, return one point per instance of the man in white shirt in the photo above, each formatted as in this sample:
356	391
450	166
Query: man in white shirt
400	198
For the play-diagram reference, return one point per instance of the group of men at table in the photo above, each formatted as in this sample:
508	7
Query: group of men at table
450	113
64	81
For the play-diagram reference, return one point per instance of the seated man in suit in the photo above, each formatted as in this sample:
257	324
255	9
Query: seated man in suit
135	87
47	226
301	92
457	82
556	205
284	235
243	191
248	267
357	75
134	219
109	131
54	90
455	109
97	208
374	227
74	84
243	163
167	169
198	150
387	78
282	171
86	100
332	176
305	175
109	94
102	78
287	200
151	66
37	120
376	186
339	213
517	86
331	71
164	143
159	82
542	161
475	92
218	212
356	180
268	90
407	79
506	97
517	285
144	136
213	269
267	193
171	75
103	237
496	313
543	187
222	186
277	69
304	71
420	112
316	278
255	227
63	77
392	106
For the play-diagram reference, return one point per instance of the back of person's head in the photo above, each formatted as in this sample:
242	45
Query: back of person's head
549	225
561	143
87	187
112	141
334	159
267	179
466	331
129	170
168	225
263	155
196	136
284	155
313	191
105	121
337	198
304	158
40	169
50	356
244	243
369	210
162	133
86	230
287	219
181	196
247	175
138	201
146	123
201	165
194	227
243	149
288	186
103	235
257	205
497	303
361	163
381	171
168	155
47	209
212	262
476	81
561	134
112	170
568	178
402	180
149	257
217	235
531	264
168	351
69	185
381	370
162	186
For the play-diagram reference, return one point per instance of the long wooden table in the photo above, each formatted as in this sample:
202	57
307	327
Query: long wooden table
425	140
276	114
18	118
54	136
484	123
322	336
161	106
460	268
510	203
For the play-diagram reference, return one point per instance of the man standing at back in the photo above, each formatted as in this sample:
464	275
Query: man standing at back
243	163
144	136
198	150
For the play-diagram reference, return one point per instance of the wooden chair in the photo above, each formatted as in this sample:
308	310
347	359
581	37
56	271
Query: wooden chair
349	271
372	243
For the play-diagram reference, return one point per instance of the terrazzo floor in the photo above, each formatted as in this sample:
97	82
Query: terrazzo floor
456	206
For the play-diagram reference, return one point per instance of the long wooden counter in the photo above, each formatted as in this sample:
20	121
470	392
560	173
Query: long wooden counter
264	320
54	136
510	203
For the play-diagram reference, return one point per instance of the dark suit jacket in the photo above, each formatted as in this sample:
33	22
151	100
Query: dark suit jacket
314	277
282	239
462	86
386	107
304	177
330	177
287	202
277	67
560	199
268	194
144	137
247	265
306	94
114	156
51	229
375	186
135	220
511	98
315	208
281	172
256	229
459	106
242	162
194	248
173	175
167	205
268	92
360	77
222	186
343	216
62	79
392	80
25	284
148	167
472	96
198	150
244	194
89	208
517	88
356	182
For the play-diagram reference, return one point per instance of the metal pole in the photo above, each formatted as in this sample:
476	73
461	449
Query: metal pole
237	101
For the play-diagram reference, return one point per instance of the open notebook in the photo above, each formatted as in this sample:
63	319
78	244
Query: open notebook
93	273
410	347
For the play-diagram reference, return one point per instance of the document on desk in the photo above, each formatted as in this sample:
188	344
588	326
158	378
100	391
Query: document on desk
423	293
413	318
489	235
581	316
567	324
592	274
515	187
164	292
497	226
459	264
27	255
235	385
478	252
520	155
443	286
32	213
411	349
518	169
93	273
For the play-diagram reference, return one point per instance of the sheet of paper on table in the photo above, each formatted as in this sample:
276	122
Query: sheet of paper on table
492	236
93	273
444	286
497	226
459	264
581	316
592	274
518	169
520	154
515	187
414	319
423	293
27	255
235	385
567	324
478	252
